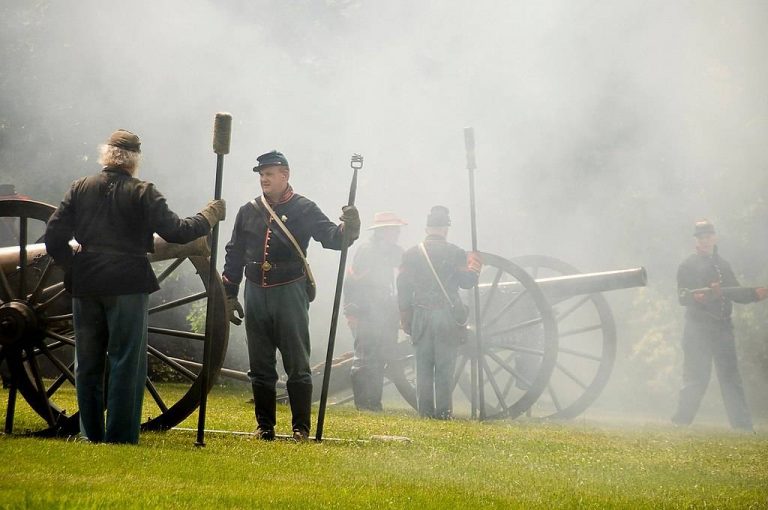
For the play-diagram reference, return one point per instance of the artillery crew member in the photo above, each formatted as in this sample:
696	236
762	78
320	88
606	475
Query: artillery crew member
436	325
370	307
113	216
277	287
707	287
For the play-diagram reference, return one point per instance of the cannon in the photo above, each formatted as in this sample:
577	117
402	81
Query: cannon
548	338
548	335
37	338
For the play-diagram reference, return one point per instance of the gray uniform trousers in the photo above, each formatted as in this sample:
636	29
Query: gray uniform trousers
435	337
277	318
705	342
375	345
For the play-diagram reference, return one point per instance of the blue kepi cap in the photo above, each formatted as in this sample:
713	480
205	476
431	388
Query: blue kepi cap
273	158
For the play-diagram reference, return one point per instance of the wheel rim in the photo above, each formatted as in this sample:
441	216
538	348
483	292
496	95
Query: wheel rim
586	346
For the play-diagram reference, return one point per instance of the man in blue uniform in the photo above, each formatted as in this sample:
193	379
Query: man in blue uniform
426	314
370	307
707	287
276	292
113	216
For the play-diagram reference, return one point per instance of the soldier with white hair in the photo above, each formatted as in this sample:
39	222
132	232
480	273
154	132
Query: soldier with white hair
113	216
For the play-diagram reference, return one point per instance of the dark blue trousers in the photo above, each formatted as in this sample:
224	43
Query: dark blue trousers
277	318
705	342
110	329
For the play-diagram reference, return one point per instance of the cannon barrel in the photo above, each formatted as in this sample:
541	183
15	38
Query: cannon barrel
563	287
559	288
9	256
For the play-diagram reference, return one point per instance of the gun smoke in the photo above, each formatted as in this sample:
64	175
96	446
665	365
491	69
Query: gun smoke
603	129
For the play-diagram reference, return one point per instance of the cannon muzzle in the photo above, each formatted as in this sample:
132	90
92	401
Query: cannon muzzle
563	287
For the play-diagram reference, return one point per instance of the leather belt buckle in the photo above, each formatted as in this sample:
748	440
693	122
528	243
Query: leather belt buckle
266	266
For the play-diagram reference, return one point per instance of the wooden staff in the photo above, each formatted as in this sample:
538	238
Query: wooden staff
222	132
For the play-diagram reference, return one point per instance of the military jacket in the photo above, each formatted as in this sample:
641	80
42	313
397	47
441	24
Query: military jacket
416	285
370	283
700	271
113	216
259	247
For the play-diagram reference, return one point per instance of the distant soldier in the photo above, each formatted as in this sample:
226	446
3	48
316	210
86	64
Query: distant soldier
113	216
370	307
432	312
707	287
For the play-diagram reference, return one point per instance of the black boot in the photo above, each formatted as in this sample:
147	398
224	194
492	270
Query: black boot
300	396
376	386
357	377
265	404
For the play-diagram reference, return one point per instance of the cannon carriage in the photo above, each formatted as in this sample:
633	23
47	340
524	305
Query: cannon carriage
547	335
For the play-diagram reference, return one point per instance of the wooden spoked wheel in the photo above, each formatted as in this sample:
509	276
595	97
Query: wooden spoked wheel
586	344
518	345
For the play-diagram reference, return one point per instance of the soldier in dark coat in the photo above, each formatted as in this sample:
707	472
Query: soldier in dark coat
426	314
276	298
113	216
370	307
707	287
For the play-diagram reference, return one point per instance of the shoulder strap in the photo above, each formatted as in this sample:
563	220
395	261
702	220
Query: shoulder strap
439	281
287	234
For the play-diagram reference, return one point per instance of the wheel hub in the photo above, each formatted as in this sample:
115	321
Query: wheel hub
17	320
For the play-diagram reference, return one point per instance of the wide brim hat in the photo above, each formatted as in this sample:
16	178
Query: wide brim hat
272	158
386	219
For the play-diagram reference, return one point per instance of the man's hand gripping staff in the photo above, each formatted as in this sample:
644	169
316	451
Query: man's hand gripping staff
474	262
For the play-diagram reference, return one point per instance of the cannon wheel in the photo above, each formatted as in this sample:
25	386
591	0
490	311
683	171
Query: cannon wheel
586	346
38	339
519	344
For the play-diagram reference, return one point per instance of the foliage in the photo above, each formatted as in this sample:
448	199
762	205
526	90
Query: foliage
196	317
459	464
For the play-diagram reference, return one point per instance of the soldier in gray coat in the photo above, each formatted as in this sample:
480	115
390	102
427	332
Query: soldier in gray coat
370	307
436	320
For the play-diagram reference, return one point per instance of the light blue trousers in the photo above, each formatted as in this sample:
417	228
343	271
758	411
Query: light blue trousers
110	329
435	338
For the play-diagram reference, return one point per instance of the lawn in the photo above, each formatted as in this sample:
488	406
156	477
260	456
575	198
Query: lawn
458	464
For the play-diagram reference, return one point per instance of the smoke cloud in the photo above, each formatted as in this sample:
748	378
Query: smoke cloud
603	129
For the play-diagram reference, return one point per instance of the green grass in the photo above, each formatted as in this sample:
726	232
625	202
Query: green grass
457	464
